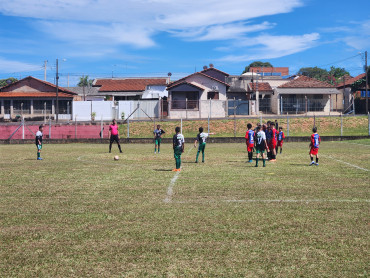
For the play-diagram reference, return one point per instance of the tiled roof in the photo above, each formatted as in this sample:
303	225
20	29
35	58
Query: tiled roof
261	86
129	84
205	71
61	90
350	81
80	90
34	95
195	73
306	82
283	70
184	83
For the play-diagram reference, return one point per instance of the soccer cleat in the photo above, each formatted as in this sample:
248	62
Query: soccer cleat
196	162
312	163
178	170
264	165
39	158
174	170
203	161
317	164
250	161
155	152
158	151
256	166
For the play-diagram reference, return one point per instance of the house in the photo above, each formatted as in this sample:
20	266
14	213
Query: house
31	98
198	95
86	93
348	95
304	95
131	88
263	95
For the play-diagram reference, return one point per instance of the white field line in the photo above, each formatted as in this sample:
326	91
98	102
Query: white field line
299	201
349	164
169	195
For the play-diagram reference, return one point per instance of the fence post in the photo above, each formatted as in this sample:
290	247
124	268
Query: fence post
341	124
210	108
23	127
101	127
208	124
287	123
49	128
128	128
186	110
368	121
76	127
234	119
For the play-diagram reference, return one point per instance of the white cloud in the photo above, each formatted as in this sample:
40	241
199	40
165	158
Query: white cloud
269	47
223	32
135	22
10	66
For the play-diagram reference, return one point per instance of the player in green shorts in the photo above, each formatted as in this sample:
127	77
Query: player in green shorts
158	138
201	138
178	148
261	146
38	141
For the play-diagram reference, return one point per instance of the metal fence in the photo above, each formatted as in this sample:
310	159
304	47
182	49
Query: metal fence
234	127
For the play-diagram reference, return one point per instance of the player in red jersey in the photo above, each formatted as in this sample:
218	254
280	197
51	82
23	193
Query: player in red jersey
249	141
273	142
280	140
314	146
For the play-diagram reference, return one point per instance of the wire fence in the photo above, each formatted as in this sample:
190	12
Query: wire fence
235	127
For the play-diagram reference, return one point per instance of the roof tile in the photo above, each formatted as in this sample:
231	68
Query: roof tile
306	82
129	84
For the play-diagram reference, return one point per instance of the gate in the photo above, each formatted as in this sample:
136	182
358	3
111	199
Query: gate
238	107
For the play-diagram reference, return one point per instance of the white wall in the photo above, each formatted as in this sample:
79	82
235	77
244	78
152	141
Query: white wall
151	108
208	83
82	110
155	92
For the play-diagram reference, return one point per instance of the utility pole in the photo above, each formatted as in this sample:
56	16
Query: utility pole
56	81
83	87
366	85
45	64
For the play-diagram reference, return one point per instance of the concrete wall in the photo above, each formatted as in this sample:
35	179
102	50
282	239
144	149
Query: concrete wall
208	84
82	110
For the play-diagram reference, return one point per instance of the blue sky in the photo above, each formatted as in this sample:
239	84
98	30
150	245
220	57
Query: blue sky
154	37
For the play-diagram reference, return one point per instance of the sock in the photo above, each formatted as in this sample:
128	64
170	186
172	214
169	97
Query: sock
179	163
158	148
257	159
155	149
203	156
264	162
311	158
119	147
38	154
197	156
110	147
317	160
281	150
273	156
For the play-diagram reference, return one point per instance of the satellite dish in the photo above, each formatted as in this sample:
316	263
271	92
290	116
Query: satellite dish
211	65
205	67
169	74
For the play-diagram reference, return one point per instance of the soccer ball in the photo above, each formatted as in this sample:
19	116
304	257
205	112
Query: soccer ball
116	157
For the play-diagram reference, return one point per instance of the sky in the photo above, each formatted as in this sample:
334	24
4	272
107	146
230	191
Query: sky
130	38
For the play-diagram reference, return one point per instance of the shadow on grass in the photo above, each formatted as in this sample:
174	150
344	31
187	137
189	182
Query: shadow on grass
162	170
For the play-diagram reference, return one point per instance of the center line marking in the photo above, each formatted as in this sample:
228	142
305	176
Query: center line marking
168	198
352	165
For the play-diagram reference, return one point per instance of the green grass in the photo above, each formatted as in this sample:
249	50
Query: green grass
78	213
327	126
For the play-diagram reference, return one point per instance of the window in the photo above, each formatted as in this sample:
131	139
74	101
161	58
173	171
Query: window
318	96
363	93
21	106
213	95
7	106
185	100
39	106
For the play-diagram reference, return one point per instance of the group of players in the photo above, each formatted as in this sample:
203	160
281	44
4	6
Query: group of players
265	140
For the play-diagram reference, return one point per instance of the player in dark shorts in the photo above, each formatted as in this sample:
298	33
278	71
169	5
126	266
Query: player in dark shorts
178	148
38	142
114	136
158	138
261	146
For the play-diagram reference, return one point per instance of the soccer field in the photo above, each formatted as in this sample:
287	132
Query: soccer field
79	213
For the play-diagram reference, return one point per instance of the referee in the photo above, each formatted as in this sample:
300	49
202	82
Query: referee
114	135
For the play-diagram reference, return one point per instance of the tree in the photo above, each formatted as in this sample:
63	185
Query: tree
4	82
314	72
337	72
257	64
85	81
